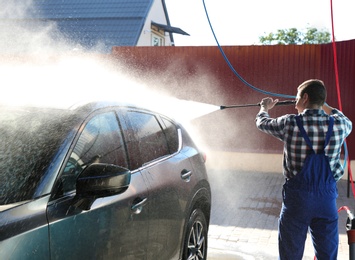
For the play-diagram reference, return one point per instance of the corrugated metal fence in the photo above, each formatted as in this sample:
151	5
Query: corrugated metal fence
201	74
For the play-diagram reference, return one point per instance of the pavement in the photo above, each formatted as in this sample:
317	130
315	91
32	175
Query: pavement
245	211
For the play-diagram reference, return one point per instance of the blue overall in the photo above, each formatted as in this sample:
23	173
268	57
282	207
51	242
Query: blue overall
309	202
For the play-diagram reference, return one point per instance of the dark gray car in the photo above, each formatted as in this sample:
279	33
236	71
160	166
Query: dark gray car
100	181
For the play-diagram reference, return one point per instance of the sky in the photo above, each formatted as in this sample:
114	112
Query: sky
242	22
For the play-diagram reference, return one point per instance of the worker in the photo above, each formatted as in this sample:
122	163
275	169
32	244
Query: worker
311	165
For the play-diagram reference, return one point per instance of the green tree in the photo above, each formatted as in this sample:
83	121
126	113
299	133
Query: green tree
294	36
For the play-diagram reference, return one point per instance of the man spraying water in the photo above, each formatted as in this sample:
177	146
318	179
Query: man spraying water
311	165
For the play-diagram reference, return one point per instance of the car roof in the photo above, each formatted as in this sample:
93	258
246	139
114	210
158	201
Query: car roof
87	107
81	109
80	106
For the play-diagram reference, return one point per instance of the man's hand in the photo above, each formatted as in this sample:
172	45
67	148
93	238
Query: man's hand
267	103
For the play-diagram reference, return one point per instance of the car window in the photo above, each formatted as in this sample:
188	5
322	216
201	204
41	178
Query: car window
148	137
172	136
100	142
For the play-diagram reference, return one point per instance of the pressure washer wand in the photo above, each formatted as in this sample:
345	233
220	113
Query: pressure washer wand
280	103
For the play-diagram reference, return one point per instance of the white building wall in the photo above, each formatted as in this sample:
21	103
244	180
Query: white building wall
156	14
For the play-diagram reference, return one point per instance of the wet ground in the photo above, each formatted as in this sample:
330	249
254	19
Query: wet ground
245	210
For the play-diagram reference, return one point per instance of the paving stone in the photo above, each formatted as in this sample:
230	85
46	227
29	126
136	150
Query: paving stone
245	212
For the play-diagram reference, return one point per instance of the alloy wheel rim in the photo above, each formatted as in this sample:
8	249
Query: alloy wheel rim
196	243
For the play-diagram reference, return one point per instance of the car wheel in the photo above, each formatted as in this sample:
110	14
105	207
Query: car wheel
195	244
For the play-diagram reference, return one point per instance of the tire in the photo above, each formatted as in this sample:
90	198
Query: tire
195	243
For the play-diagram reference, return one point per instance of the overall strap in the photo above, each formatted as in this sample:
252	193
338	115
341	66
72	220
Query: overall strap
305	136
303	132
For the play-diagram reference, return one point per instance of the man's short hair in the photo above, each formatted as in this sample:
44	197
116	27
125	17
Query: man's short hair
315	90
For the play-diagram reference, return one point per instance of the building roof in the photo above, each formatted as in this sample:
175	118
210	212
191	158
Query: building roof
88	22
168	28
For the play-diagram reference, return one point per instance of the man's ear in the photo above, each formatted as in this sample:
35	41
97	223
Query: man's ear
305	98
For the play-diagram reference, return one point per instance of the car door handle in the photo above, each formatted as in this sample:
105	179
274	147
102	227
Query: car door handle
186	175
137	207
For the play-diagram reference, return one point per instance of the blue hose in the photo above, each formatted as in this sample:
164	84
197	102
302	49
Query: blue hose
235	72
250	85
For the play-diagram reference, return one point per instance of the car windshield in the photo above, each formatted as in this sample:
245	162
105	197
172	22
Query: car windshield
29	138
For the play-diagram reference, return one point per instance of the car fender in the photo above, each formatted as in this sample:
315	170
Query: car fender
202	200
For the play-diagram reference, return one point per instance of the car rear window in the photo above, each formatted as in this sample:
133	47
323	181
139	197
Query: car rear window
172	136
148	137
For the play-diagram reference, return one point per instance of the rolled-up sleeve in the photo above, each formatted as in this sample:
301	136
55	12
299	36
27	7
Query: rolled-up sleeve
342	120
271	126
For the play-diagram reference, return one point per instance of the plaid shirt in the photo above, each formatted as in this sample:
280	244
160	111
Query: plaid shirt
315	123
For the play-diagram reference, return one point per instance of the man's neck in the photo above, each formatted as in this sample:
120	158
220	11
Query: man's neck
313	107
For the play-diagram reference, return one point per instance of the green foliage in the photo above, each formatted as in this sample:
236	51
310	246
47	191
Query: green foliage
294	36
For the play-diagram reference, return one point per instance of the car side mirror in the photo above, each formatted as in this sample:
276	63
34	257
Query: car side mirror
102	180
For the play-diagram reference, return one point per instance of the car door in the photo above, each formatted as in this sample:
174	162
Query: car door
167	174
168	194
112	227
24	230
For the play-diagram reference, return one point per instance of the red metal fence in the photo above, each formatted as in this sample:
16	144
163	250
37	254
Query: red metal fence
201	74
